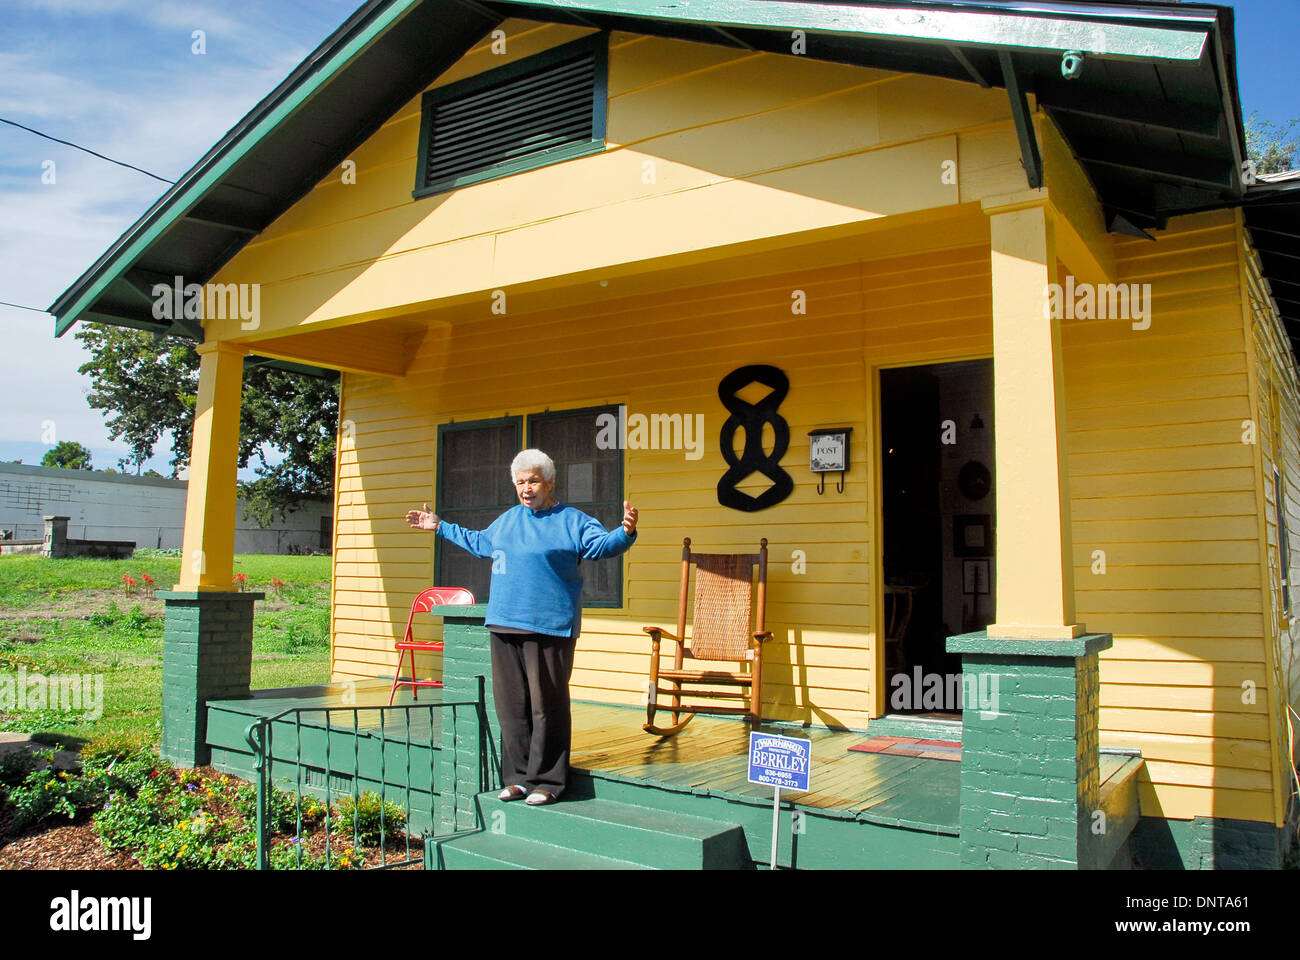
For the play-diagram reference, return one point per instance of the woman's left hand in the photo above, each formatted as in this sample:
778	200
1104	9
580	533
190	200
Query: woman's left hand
629	518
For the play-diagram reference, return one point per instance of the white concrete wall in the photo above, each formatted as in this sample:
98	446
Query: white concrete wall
148	510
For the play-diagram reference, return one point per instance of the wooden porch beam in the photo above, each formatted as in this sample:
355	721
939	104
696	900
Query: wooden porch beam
1029	155
350	349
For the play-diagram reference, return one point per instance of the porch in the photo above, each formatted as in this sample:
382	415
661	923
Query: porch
634	800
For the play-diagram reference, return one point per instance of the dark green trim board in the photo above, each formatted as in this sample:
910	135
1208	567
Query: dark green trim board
1030	158
1103	32
484	129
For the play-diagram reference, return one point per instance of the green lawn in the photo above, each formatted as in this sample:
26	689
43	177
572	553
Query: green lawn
76	617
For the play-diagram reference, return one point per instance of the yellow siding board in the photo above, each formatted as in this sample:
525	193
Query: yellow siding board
1188	722
1165	577
1180	749
1227	699
1172	601
1219	776
1157	506
1182	802
1173	482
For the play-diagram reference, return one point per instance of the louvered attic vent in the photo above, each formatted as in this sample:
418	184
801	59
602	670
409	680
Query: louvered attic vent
531	113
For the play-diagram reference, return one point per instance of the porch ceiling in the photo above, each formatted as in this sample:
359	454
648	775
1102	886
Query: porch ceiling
1154	117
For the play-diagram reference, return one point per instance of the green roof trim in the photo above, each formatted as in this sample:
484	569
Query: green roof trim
1032	28
187	193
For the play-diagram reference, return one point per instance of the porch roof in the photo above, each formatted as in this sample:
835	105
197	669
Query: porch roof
1154	117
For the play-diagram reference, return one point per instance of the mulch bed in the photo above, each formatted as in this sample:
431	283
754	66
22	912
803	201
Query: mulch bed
73	847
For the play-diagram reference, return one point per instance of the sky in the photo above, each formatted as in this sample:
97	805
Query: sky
122	77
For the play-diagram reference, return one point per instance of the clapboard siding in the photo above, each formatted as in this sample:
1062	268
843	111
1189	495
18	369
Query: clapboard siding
736	143
664	352
1277	416
1164	492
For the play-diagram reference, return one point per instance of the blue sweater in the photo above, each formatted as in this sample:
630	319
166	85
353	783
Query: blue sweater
535	554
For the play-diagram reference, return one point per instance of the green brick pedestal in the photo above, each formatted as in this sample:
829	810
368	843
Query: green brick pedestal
1030	775
469	761
207	655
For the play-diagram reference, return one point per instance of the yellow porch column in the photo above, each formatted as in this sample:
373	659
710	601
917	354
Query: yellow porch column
1035	573
208	556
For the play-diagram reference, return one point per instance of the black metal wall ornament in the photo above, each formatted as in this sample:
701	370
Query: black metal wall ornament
751	417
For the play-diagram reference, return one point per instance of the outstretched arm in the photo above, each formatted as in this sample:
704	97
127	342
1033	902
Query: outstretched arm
477	542
598	544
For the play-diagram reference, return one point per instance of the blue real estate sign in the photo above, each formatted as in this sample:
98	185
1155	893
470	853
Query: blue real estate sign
779	761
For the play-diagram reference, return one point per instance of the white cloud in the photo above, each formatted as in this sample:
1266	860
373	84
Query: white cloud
106	85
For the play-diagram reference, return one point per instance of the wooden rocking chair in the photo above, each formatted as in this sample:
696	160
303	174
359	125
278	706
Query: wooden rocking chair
721	631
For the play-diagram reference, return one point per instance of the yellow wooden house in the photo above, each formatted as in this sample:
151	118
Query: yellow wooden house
1016	253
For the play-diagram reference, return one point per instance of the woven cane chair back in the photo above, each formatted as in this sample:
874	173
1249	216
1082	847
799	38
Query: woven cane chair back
722	626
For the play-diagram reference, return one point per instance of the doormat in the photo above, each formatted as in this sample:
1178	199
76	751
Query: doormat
911	747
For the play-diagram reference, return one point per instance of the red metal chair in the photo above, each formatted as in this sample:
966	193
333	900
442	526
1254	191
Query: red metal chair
424	603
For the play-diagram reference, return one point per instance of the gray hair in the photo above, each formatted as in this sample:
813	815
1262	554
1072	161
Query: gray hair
533	460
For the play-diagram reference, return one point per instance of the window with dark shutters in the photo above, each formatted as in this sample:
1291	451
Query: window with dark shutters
474	487
527	114
589	478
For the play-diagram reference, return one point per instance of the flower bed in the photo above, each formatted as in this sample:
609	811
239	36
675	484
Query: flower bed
170	819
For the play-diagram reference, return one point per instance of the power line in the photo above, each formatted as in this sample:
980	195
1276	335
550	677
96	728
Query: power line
6	303
77	146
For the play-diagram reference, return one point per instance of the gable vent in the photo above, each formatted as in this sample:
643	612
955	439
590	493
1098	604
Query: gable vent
493	125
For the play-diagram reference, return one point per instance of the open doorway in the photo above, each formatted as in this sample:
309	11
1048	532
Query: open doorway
938	520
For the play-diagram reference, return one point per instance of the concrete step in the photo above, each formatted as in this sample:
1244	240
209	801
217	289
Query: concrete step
624	831
492	851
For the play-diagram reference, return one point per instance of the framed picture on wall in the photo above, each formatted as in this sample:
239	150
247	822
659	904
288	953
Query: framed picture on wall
975	577
972	535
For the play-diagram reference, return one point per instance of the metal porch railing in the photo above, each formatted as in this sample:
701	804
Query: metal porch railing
384	741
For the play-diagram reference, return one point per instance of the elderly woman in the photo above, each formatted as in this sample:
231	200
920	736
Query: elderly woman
534	615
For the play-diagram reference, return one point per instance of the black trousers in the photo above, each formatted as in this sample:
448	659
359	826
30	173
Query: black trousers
530	687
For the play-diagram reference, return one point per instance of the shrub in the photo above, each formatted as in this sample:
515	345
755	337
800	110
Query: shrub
14	767
281	808
361	819
47	794
135	621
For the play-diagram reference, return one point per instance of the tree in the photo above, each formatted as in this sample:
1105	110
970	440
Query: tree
68	455
1273	146
148	384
